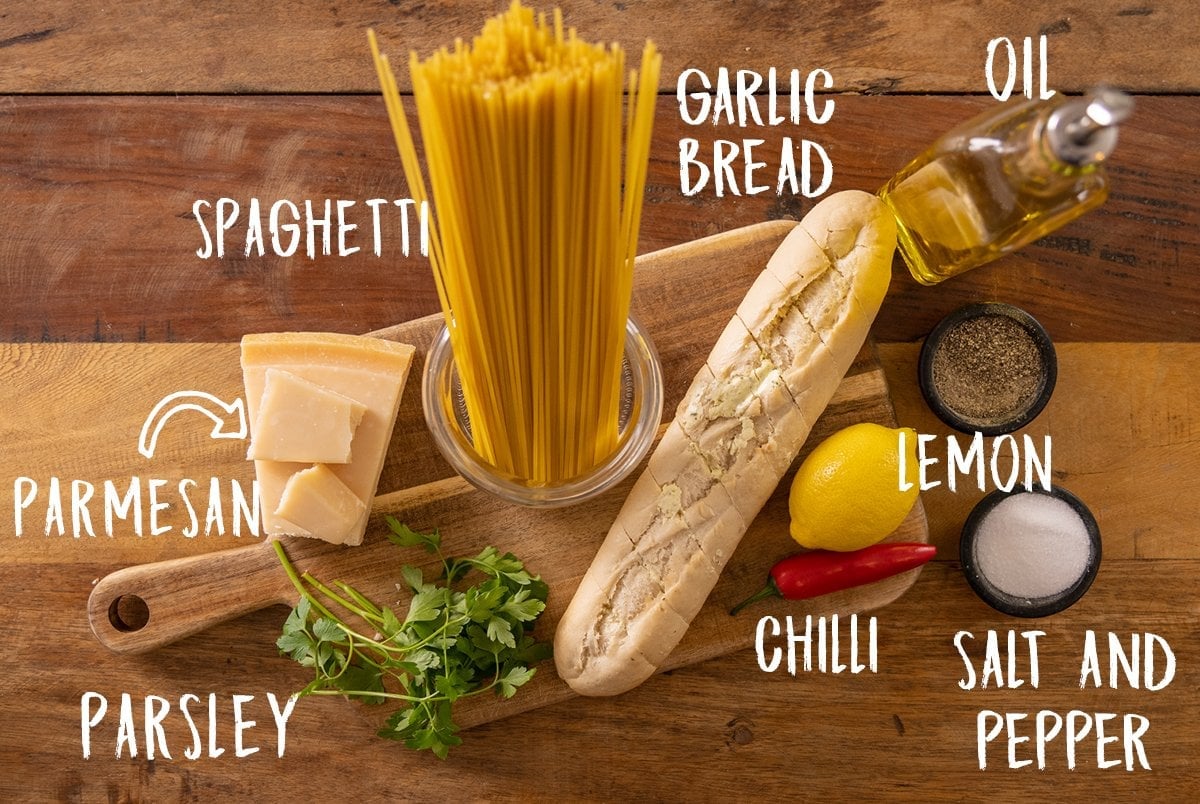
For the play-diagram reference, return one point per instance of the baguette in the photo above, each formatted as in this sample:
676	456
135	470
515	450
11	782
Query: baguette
736	432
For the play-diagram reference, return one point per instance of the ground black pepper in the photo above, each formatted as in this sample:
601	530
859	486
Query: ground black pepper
988	369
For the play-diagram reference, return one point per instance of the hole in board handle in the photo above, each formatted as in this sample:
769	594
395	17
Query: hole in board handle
128	613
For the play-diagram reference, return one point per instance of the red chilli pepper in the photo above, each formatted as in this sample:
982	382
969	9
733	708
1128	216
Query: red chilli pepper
819	572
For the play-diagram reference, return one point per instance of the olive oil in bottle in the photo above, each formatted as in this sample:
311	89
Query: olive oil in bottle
1002	180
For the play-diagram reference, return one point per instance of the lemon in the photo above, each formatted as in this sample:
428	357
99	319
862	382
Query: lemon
846	495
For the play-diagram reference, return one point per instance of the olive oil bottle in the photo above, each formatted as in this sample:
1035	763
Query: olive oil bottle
1002	180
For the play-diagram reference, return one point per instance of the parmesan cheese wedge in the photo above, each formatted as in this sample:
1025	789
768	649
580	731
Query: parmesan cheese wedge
315	500
301	422
368	371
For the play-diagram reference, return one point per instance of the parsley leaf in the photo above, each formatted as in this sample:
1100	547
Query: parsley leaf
426	604
515	677
451	644
404	536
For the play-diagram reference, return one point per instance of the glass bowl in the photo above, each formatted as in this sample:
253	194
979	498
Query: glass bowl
640	414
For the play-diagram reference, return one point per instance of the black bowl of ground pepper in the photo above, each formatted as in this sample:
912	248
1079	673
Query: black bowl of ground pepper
988	368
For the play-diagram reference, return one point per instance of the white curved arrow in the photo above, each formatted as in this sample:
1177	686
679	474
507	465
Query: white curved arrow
171	404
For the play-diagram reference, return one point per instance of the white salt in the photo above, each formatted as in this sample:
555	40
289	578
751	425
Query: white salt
1032	546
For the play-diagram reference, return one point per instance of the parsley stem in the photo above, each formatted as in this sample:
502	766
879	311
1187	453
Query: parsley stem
381	647
358	597
341	601
370	694
298	582
290	569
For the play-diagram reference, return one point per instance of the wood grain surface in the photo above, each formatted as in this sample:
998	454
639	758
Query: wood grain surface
115	118
872	45
96	185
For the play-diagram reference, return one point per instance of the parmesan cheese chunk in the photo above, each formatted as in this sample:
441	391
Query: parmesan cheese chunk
302	422
315	500
370	371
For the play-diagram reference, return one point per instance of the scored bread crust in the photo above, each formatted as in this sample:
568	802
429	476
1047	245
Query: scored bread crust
735	434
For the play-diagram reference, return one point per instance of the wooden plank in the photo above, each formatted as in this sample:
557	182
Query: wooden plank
293	46
1120	412
713	730
1138	396
99	240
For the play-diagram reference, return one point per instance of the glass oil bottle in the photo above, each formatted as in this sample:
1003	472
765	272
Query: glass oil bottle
1002	180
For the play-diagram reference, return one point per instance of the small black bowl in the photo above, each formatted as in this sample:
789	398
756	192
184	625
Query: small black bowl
1021	606
1020	417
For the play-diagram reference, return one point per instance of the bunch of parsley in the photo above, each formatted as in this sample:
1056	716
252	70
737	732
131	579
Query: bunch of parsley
451	644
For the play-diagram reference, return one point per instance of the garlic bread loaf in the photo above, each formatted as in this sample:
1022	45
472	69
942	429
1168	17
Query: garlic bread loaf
735	434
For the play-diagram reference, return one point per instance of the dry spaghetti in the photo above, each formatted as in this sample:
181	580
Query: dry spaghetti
536	170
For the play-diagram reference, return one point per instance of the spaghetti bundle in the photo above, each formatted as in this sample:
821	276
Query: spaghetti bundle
536	170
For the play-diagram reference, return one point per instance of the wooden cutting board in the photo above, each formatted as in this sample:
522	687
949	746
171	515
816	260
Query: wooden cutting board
76	411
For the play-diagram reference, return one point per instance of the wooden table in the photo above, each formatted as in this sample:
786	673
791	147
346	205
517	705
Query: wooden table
115	119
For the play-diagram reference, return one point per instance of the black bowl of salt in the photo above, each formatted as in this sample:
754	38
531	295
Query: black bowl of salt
1030	553
988	368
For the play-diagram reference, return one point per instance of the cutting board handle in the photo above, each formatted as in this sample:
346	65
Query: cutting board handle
143	607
